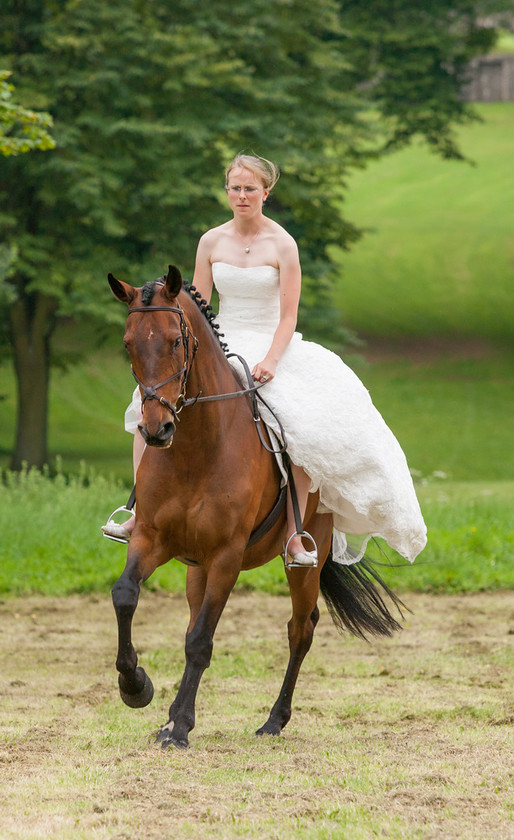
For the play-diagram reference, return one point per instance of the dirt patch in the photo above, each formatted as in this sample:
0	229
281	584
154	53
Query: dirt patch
403	738
420	351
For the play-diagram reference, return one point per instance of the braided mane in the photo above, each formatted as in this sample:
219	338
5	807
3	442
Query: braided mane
204	307
207	311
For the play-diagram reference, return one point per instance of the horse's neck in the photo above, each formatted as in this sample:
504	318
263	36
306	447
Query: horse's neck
211	373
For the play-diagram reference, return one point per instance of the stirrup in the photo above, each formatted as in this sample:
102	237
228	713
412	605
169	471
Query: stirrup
290	564
121	509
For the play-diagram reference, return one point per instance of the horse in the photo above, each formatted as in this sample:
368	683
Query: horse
206	485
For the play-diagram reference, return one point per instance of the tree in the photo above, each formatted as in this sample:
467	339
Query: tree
21	130
151	99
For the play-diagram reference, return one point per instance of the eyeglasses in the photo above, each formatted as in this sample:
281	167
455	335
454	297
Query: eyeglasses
246	190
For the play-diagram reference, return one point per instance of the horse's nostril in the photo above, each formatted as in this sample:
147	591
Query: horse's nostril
144	432
162	437
166	431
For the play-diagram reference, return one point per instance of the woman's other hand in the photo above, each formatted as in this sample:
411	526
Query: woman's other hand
264	371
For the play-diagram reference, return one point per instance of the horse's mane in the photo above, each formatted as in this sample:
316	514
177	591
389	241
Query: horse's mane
205	308
208	313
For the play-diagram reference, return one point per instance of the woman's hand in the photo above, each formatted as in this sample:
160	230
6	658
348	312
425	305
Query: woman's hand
264	371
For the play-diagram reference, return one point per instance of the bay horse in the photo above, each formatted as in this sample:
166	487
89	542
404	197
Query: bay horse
204	486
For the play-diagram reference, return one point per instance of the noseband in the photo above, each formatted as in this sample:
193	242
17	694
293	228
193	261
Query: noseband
149	392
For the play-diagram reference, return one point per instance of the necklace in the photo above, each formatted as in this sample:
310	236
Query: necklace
246	248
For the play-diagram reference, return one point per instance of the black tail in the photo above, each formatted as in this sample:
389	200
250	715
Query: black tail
353	600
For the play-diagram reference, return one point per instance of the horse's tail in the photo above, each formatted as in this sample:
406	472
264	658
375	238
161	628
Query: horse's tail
354	601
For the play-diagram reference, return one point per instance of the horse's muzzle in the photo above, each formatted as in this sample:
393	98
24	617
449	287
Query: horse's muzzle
162	439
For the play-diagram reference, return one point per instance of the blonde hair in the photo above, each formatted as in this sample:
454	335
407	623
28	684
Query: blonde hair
266	171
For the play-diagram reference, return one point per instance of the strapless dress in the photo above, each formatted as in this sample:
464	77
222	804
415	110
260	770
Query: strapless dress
332	428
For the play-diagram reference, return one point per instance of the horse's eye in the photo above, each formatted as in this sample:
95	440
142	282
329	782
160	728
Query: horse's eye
177	342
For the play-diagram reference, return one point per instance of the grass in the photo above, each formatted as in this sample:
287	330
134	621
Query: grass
87	404
451	414
406	738
470	539
505	43
438	255
52	543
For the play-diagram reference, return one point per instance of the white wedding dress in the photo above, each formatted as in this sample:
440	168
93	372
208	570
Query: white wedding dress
332	428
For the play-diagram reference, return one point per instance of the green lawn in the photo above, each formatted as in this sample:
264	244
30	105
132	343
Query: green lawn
438	255
51	540
451	416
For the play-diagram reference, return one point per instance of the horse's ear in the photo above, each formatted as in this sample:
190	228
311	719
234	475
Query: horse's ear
121	290
173	283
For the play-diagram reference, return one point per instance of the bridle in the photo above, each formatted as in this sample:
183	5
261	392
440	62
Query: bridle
149	392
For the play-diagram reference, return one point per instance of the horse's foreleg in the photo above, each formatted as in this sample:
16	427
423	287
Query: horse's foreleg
196	581
199	643
136	688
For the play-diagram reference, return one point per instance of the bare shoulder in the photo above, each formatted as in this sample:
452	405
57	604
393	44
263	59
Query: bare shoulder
211	237
285	244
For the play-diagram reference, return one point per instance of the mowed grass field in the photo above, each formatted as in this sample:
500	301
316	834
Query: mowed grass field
408	738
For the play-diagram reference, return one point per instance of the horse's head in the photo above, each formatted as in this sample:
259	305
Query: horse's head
161	349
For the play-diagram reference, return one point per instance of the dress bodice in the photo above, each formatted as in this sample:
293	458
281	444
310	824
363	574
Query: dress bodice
249	298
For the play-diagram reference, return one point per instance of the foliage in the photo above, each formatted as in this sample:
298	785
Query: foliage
21	130
413	59
143	129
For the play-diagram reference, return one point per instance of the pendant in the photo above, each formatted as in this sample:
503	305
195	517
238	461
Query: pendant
247	250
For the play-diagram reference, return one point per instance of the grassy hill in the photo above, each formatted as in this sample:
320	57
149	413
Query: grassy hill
438	255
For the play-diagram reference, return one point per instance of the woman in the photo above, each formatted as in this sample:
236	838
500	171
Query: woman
337	441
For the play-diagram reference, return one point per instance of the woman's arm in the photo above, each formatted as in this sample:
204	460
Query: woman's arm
290	287
203	270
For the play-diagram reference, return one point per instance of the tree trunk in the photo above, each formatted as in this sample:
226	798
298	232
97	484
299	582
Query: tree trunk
32	321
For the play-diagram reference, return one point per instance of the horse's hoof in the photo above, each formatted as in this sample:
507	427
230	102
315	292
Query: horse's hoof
142	697
269	729
165	739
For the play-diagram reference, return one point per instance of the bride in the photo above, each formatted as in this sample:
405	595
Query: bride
337	441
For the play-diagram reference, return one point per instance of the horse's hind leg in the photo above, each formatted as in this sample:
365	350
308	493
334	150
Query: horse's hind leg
300	631
304	588
136	688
